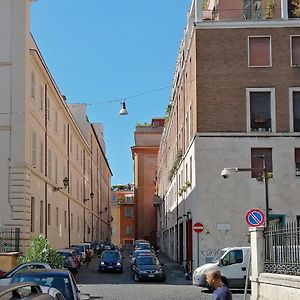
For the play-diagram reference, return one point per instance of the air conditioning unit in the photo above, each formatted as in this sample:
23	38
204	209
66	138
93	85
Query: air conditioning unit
297	172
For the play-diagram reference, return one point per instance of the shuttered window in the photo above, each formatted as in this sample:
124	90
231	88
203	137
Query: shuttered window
257	162
33	149
259	54
295	50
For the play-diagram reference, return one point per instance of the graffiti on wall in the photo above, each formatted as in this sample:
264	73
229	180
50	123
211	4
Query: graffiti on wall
210	252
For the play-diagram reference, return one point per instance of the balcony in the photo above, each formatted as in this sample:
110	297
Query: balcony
261	124
157	201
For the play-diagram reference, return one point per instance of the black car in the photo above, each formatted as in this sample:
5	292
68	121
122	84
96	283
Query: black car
110	260
148	268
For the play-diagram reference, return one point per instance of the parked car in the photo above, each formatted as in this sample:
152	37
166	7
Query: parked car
6	278
55	278
231	262
110	260
138	252
148	268
28	291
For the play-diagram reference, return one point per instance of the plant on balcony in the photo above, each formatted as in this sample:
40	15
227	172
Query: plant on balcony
294	9
180	192
184	188
168	113
188	184
175	165
269	9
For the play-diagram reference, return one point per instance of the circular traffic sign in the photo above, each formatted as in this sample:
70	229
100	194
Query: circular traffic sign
198	227
255	218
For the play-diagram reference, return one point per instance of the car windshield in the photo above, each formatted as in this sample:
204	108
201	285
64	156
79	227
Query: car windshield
218	257
110	255
139	252
147	261
144	246
62	283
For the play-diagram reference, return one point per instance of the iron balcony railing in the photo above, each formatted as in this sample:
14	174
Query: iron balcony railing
283	249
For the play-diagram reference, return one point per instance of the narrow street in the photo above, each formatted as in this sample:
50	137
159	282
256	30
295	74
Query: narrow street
122	286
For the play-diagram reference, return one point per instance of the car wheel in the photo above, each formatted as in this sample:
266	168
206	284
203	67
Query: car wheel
136	277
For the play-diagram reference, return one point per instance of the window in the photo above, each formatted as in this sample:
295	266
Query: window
49	163
41	157
128	230
294	98
259	51
55	121
33	84
257	161
191	169
295	51
129	212
233	257
56	169
297	161
41	216
65	219
32	214
64	133
128	199
41	97
49	214
260	109
77	152
71	143
33	149
57	216
48	108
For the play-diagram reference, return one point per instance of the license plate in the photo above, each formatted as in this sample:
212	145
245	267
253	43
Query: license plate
110	267
150	275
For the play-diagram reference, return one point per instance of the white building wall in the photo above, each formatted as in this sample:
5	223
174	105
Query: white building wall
221	204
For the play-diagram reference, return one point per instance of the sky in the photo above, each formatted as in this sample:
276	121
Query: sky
103	51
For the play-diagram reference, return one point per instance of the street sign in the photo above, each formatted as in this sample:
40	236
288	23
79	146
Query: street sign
255	218
198	227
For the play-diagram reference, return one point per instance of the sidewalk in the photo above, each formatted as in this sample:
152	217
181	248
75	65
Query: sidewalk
175	274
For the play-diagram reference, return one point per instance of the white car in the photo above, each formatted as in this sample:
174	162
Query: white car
231	262
6	278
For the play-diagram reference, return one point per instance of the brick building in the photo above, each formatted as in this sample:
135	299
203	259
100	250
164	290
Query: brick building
236	95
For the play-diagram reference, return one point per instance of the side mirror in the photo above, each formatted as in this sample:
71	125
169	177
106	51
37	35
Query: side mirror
157	251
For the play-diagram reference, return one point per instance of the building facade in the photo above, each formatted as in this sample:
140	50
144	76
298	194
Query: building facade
144	153
124	208
235	97
55	177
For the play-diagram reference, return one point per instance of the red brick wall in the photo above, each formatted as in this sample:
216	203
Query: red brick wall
223	76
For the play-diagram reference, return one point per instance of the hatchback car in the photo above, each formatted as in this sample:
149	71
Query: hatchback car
138	252
6	278
110	260
55	278
148	268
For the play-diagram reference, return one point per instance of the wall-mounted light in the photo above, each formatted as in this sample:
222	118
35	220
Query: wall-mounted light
91	197
65	183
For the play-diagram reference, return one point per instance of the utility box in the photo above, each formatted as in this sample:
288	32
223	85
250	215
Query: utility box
8	260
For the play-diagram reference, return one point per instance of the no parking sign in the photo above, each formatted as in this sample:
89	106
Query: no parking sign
255	217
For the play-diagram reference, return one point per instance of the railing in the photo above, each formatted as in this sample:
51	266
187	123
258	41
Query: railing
9	239
238	14
283	249
261	124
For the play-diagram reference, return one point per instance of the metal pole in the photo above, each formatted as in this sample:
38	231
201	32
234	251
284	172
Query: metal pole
266	179
198	250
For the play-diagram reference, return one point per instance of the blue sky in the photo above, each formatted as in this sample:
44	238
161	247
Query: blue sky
105	50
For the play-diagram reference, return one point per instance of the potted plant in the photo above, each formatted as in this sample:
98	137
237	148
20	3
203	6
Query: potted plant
269	8
188	184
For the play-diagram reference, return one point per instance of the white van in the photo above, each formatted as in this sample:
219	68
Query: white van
232	262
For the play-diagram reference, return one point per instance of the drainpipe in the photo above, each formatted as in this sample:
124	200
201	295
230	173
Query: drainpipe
46	159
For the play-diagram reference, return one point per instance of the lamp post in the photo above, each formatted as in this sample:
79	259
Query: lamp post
84	219
226	173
